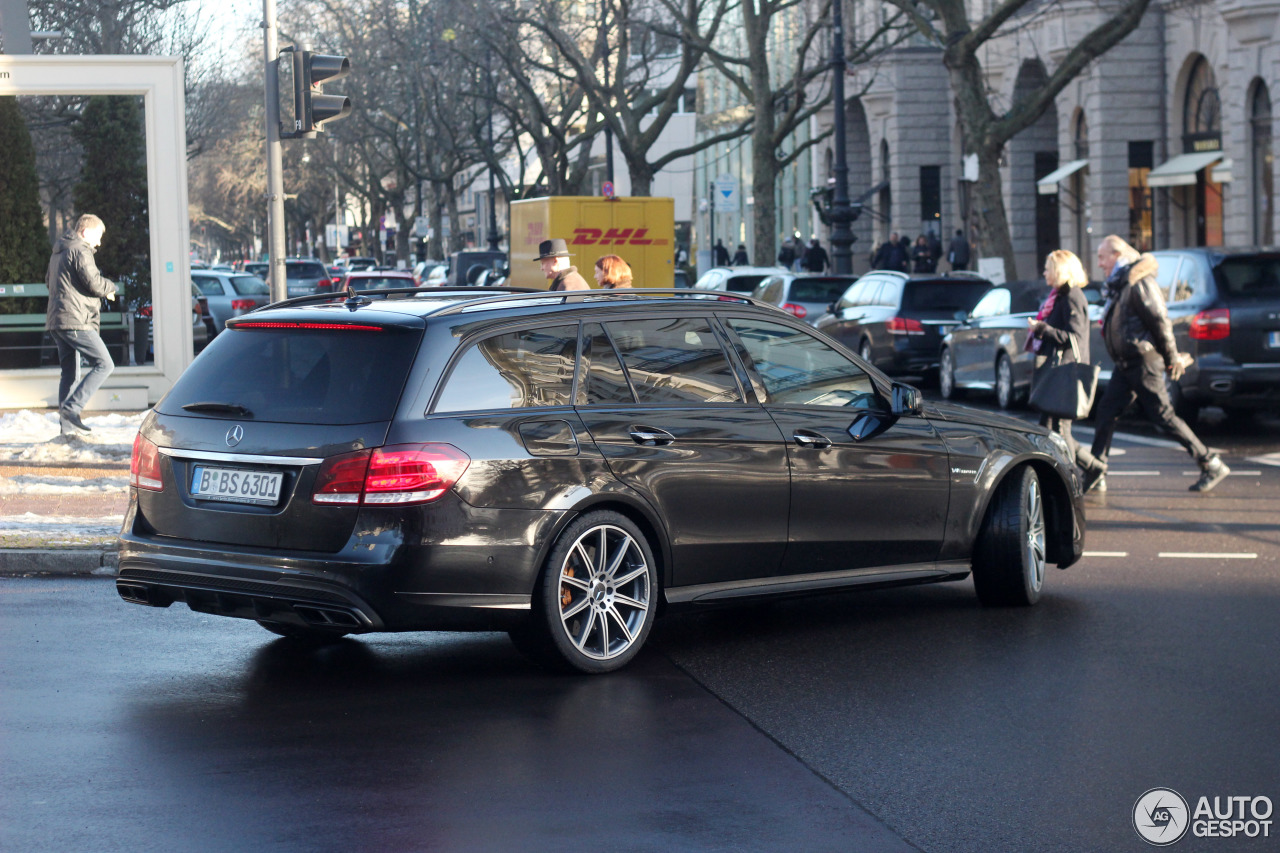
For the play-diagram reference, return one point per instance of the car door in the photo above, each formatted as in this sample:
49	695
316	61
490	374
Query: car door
868	489
845	323
973	342
667	411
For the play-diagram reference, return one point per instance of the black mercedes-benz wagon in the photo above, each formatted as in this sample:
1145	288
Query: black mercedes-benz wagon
566	467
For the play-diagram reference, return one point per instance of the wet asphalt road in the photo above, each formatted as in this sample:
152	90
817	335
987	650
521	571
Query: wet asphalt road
883	720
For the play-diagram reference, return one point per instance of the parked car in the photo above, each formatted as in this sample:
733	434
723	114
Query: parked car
681	278
804	295
378	279
987	352
734	279
358	263
304	277
565	467
896	321
438	276
258	268
1225	308
230	294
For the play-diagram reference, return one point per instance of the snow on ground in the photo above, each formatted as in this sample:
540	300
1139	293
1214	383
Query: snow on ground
27	436
37	531
31	484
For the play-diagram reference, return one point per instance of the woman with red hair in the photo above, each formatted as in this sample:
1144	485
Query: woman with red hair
612	272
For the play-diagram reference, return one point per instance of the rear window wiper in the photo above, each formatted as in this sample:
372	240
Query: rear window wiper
228	408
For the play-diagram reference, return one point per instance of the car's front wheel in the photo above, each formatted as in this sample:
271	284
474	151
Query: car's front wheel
596	599
947	376
1009	554
1004	382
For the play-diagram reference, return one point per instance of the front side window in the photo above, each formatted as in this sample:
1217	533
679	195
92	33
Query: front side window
799	369
516	370
995	304
675	360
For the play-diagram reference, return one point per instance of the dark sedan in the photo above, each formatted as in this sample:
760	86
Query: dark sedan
897	321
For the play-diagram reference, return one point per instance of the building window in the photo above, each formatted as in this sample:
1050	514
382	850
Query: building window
1141	162
1264	177
886	197
1202	131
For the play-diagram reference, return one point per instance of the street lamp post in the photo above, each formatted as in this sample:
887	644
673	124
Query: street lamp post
841	212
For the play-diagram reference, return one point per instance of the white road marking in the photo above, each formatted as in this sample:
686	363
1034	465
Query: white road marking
1264	459
1111	473
1234	473
1106	554
1191	555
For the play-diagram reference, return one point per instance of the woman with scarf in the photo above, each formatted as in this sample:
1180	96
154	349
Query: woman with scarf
1062	319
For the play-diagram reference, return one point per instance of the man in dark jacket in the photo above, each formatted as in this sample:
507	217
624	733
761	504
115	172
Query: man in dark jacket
1139	338
721	258
740	258
815	257
553	255
76	291
958	252
890	255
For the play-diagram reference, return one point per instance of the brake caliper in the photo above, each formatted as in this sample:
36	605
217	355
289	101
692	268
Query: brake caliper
566	594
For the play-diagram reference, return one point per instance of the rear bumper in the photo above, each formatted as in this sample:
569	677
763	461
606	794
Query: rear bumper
1243	386
388	582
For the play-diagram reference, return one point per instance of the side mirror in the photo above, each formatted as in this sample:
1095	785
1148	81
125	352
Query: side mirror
831	309
907	400
962	316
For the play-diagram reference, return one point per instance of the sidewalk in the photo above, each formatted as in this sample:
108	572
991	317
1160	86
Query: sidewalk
62	499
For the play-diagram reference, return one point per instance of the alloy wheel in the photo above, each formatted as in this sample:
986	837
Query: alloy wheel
1033	511
604	592
1004	382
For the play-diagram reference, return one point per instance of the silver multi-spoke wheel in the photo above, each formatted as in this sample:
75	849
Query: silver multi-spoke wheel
1010	553
596	598
1033	513
605	594
1004	381
947	375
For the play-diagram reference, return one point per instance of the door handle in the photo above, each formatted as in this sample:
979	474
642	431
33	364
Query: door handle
650	437
811	439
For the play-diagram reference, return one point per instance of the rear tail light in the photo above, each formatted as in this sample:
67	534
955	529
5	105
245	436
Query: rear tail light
144	465
399	474
1211	325
795	310
243	304
145	311
324	285
905	326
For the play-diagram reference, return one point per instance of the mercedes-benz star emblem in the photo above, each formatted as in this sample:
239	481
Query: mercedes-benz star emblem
235	435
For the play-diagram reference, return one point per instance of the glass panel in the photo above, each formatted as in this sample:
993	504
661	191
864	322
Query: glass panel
889	294
603	382
249	285
1256	276
818	289
676	360
943	295
208	285
799	369
994	304
531	367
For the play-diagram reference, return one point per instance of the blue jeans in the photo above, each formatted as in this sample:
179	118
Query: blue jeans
73	344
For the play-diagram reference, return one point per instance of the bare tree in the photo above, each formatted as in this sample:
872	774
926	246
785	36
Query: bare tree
986	131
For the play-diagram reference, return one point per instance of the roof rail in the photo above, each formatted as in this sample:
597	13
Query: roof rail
364	295
569	297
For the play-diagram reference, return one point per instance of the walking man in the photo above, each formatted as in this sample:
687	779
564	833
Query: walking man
1137	334
76	291
553	255
815	257
958	252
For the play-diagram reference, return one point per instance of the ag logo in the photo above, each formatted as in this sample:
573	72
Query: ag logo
1160	816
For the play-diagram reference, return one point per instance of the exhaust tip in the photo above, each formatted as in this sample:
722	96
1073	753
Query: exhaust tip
1221	386
324	617
138	593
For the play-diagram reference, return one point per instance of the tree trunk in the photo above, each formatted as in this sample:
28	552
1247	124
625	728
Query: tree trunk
764	210
993	238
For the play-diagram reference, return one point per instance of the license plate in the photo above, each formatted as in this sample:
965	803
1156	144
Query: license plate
1273	340
236	485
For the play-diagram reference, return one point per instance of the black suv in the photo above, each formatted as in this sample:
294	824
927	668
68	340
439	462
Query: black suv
564	467
1225	309
897	321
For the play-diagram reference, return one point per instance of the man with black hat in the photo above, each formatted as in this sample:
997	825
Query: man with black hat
553	255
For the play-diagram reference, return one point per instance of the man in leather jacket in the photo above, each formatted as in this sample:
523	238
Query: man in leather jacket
76	291
1139	338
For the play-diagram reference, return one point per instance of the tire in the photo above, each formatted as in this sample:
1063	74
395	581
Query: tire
1009	554
947	376
864	350
596	599
1005	395
314	636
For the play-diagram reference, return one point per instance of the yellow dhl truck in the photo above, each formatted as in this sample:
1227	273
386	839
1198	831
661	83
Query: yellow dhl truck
641	231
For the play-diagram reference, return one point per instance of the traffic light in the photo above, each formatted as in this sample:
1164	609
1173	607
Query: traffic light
311	107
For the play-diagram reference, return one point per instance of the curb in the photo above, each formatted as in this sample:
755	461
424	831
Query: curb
82	562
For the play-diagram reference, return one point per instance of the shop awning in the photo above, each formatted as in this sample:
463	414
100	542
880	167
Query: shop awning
1048	185
1221	173
1181	170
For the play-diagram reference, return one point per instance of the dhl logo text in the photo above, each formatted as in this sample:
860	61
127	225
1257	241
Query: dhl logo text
615	236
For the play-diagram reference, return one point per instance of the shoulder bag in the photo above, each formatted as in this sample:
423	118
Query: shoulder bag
1065	390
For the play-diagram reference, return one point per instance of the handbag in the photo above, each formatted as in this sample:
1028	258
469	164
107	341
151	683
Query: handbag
1065	390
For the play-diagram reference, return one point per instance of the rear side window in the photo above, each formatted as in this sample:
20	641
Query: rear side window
315	376
1255	277
531	367
249	285
677	360
950	296
799	369
602	381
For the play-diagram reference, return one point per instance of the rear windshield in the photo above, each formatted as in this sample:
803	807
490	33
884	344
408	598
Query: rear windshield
305	271
310	376
1254	276
743	283
249	285
943	295
378	282
819	289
